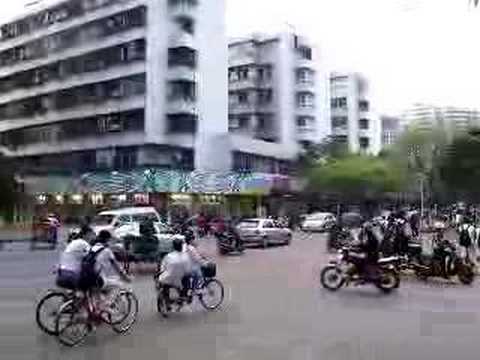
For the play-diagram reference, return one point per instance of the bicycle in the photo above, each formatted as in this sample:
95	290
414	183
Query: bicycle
206	288
78	317
48	306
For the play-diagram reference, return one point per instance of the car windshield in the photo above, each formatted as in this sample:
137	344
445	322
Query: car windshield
317	217
140	218
249	224
103	220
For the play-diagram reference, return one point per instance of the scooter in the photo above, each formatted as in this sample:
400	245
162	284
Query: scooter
229	242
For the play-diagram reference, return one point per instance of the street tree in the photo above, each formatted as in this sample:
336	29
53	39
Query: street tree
460	168
356	178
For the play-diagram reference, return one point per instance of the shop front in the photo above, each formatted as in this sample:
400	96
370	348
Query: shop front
231	194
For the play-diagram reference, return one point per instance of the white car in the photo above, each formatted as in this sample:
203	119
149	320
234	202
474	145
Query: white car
122	223
125	221
263	232
318	222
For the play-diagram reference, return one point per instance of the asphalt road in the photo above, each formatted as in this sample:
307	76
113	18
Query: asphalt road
274	309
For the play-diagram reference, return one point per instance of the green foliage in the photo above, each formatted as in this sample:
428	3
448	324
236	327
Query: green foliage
356	176
460	167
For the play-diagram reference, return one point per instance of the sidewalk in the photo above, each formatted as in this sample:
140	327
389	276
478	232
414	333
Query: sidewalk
15	235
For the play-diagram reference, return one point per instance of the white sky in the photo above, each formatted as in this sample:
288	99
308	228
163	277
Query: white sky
411	50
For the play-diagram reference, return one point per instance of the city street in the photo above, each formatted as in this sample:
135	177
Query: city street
274	309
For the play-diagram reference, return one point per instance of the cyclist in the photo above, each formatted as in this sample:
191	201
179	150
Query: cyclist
197	260
175	270
71	262
110	272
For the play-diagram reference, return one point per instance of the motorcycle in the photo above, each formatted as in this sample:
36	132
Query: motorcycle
343	272
338	237
445	262
229	242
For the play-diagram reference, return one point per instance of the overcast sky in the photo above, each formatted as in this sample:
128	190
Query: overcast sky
411	50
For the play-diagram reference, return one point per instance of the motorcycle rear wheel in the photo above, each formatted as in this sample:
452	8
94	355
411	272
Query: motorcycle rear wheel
331	278
389	281
466	275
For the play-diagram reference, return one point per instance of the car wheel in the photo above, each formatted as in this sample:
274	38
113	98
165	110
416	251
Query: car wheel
289	240
265	242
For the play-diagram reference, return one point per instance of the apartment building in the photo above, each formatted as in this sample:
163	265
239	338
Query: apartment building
353	120
275	92
452	120
391	130
90	85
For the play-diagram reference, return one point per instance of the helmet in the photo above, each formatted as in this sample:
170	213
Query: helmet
177	244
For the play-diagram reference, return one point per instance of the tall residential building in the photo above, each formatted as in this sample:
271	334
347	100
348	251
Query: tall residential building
391	130
115	84
451	119
275	93
353	121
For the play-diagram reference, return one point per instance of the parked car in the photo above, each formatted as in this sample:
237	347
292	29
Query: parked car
318	222
263	232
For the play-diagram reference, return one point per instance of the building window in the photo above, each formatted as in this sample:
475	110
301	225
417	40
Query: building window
305	121
304	76
364	143
185	3
305	52
340	122
242	97
182	90
265	96
364	124
339	103
305	100
264	73
364	105
182	123
186	24
182	56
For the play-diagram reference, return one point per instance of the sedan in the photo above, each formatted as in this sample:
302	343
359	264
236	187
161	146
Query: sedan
263	232
318	222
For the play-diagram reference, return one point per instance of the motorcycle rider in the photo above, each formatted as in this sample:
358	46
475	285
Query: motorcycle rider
366	252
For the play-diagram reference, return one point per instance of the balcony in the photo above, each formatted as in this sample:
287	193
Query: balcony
183	8
239	108
182	106
181	40
181	72
305	86
339	131
82	111
250	83
305	111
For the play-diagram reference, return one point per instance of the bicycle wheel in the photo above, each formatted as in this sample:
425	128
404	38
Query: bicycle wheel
212	294
123	311
47	309
72	323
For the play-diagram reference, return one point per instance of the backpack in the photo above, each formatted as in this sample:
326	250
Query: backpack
89	278
464	239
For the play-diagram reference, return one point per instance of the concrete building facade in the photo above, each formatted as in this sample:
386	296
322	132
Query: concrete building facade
353	120
391	130
275	93
101	84
452	120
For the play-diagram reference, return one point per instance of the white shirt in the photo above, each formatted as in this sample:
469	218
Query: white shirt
195	258
174	267
71	258
103	263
